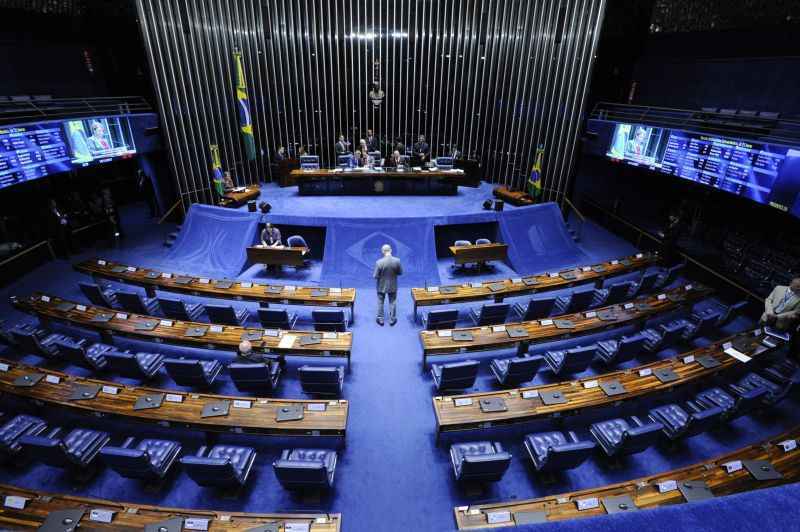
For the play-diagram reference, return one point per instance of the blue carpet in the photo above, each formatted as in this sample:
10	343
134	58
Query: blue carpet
391	475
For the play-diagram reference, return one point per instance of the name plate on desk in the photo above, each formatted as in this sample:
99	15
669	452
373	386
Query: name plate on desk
101	262
462	401
194	523
13	501
444	333
587	504
246	285
165	323
738	355
241	403
667	486
317	407
732	467
498	328
530	394
173	398
296	527
101	516
498	517
81	308
545	323
166	275
216	328
433	289
4	367
110	390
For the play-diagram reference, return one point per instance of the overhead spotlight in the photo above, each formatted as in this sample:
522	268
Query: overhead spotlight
264	207
487	205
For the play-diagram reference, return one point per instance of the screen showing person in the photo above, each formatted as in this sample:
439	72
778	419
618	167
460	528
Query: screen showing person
99	138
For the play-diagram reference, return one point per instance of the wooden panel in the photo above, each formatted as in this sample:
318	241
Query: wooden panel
237	199
174	331
131	516
183	410
583	394
541	283
645	492
479	253
485	338
240	291
284	256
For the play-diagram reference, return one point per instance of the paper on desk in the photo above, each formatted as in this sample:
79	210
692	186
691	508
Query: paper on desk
287	341
738	355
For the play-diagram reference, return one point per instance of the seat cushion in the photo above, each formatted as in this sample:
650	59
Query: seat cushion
672	416
16	427
325	456
240	457
717	397
159	451
82	443
540	443
612	430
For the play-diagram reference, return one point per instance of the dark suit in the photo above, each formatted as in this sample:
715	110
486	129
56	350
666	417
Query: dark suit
341	147
422	150
391	163
372	143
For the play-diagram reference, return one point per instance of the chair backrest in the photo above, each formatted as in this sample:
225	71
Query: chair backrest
671	332
647	282
17	427
319	374
251	374
343	159
481	241
462	243
94	294
442	319
132	302
707	323
617	292
309	162
129	463
50	451
702	421
638	439
186	372
295	474
224	314
580	300
523	369
578	358
296	241
459	372
329	319
630	346
124	364
271	317
27	339
731	312
71	351
486	467
672	274
493	313
567	456
210	471
173	308
539	308
445	162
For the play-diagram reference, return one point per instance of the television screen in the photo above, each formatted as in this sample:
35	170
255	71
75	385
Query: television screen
99	140
32	151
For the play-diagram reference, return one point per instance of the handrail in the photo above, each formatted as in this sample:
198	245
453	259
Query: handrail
169	211
37	110
28	250
574	208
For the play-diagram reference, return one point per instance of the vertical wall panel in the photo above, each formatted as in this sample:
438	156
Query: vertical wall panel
496	78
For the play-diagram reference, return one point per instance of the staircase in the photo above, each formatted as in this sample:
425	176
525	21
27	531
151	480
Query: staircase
171	237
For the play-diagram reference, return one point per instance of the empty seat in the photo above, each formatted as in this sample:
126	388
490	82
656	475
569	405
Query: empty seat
490	314
224	466
75	451
566	361
775	391
481	461
17	427
135	303
82	353
255	376
226	314
303	469
296	241
645	283
668	276
482	241
579	300
701	324
98	296
626	348
440	319
149	460
666	335
330	320
556	451
731	312
193	372
455	376
680	422
536	308
617	437
138	366
462	243
276	318
321	380
177	309
612	295
737	403
514	371
37	341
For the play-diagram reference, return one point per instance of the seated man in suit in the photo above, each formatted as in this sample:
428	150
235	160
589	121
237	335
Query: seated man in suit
782	311
395	161
342	146
227	181
422	149
271	236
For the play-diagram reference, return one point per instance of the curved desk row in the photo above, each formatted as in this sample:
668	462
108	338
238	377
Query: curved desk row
24	509
757	466
464	412
503	288
172	408
152	280
524	333
110	322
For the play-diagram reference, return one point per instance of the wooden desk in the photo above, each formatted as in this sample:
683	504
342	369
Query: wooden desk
151	280
538	331
183	410
130	517
174	332
237	199
514	197
644	491
479	253
584	394
282	256
329	181
502	288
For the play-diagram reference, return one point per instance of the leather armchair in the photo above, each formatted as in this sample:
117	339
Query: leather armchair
139	366
81	353
536	309
622	350
301	469
679	422
177	309
556	451
227	315
455	376
134	303
618	437
330	320
573	360
321	380
98	296
737	403
37	341
440	319
77	450
481	461
223	466
259	376
149	460
666	335
17	427
276	318
192	372
514	371
491	314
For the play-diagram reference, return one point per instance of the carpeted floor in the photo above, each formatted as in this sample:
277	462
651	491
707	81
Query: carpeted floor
391	476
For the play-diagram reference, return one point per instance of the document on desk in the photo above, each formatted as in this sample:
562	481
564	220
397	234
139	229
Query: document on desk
738	355
287	341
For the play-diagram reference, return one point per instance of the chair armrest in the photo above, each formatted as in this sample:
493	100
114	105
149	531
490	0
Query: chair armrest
201	451
55	432
128	442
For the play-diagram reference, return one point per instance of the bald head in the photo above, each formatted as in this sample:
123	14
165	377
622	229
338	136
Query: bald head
386	249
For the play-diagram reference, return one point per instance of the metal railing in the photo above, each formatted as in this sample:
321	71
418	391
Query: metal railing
38	109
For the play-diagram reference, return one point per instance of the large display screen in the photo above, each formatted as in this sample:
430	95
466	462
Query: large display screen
33	151
765	173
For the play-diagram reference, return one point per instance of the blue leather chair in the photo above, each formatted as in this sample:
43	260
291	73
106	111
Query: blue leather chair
321	380
303	469
536	309
455	376
482	241
574	360
227	315
556	451
780	371
296	241
618	437
224	466
730	312
272	318
177	309
490	314
622	350
98	296
737	403
76	451
330	320
149	460
139	366
701	324
440	319
514	371
669	275
579	300
615	293
460	244
135	303
193	372
776	391
481	461
666	335
680	422
37	341
81	353
646	283
17	427
255	376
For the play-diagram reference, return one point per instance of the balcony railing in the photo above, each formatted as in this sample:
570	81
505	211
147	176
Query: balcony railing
24	109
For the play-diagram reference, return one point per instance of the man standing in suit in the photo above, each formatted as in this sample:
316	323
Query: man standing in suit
342	145
782	307
387	268
372	141
422	149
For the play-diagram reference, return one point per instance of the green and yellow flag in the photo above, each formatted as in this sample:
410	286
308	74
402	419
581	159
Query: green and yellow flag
216	169
535	181
245	120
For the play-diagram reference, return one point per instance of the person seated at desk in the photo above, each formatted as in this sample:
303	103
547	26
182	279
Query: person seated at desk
227	181
360	159
782	311
281	154
271	236
422	149
395	161
372	141
342	146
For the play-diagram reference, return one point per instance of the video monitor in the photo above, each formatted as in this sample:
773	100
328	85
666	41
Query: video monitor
32	151
639	144
99	139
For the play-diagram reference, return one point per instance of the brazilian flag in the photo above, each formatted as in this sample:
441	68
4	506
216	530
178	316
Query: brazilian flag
216	169
535	181
245	120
